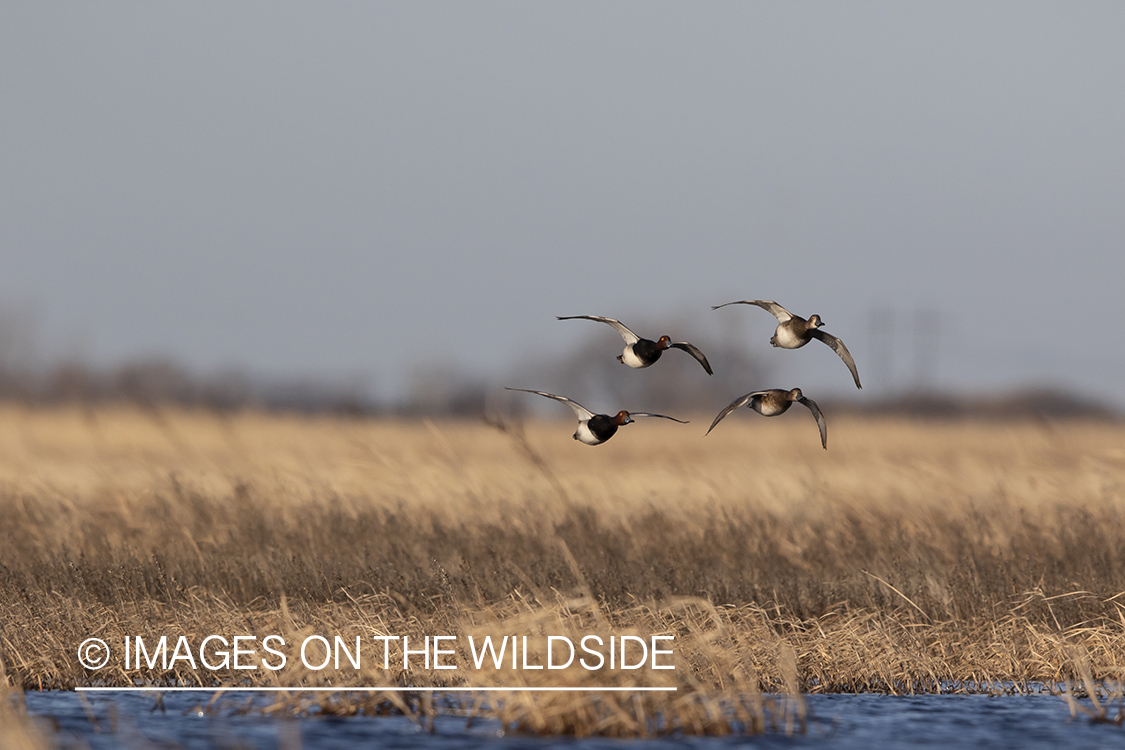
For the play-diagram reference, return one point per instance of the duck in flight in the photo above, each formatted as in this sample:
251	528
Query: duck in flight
772	402
641	352
793	331
595	429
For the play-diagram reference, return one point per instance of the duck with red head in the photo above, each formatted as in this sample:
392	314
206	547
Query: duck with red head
595	429
641	352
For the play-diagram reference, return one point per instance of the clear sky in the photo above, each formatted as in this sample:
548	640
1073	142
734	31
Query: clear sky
371	188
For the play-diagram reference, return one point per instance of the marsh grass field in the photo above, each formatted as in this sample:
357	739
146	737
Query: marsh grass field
911	556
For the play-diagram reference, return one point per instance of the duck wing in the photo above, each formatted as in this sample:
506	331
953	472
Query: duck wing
769	306
579	410
838	347
629	336
694	351
650	414
737	403
819	419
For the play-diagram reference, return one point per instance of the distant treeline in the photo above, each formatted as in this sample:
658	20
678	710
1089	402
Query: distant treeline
1041	403
161	381
588	372
157	381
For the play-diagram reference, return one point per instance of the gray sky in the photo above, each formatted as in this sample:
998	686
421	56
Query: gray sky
371	188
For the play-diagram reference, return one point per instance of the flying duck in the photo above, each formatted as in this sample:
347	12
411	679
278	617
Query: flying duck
793	331
595	429
773	402
640	352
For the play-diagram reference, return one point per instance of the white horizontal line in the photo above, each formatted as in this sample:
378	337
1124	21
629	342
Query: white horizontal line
371	689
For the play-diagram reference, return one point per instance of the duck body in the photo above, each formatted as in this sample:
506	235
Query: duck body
643	353
792	334
768	404
600	428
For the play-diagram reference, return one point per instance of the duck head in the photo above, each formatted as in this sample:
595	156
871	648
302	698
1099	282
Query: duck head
795	394
815	321
622	418
664	342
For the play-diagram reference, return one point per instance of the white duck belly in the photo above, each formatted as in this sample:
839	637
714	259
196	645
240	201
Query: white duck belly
769	408
787	339
629	357
585	435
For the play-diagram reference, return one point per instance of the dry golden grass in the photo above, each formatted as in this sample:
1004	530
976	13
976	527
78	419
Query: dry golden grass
909	556
18	731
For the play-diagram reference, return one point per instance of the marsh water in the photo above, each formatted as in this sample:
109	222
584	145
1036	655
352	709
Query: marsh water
836	721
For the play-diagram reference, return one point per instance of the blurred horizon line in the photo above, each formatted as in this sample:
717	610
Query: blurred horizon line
162	381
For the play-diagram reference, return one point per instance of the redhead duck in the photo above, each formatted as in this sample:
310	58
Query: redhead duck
773	402
793	331
595	429
640	352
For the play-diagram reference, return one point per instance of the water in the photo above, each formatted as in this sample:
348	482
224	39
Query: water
837	721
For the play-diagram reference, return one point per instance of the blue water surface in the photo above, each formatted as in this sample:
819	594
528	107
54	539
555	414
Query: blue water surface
836	721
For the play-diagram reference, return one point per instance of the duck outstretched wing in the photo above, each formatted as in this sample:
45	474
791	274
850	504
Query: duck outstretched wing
838	347
820	423
650	414
736	404
694	351
629	336
768	305
579	410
